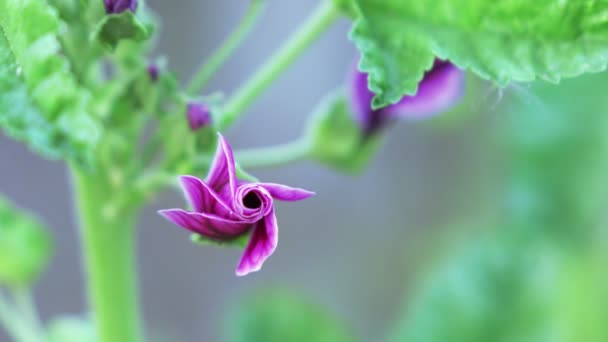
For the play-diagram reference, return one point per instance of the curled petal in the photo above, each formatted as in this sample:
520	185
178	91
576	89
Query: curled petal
262	243
222	172
208	225
440	89
252	202
202	198
286	193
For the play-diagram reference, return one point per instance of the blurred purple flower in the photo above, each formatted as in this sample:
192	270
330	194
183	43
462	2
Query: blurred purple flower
198	114
225	208
153	71
440	89
119	6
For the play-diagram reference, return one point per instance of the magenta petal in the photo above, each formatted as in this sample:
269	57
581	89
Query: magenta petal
262	243
201	197
441	88
208	225
286	193
222	171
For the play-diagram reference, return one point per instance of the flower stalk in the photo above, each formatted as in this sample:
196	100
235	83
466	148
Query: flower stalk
108	243
319	21
208	69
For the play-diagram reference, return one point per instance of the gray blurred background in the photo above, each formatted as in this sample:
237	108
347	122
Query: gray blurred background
355	247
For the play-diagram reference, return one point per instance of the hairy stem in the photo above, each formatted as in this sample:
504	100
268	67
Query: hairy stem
108	243
274	155
321	19
215	62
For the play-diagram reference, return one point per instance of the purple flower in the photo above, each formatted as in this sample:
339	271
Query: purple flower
199	115
153	71
225	208
441	88
119	6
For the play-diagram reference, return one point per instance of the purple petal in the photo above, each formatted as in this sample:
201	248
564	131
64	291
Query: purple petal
222	171
202	198
262	243
440	89
153	72
119	6
286	193
360	97
208	225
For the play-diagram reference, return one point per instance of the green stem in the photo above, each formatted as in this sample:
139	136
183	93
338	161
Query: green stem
212	65
17	324
108	243
25	304
274	155
321	19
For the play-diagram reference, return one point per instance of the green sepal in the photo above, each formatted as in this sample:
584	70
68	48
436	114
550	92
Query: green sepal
277	315
337	140
239	242
114	28
25	246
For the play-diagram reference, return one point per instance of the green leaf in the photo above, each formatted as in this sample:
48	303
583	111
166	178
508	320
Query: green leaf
490	289
337	139
279	316
124	26
25	246
40	101
503	41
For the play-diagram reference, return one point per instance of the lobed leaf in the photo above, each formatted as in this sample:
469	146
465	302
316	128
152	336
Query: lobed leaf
500	40
41	102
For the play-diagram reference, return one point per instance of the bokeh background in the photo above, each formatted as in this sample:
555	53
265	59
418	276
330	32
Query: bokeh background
358	248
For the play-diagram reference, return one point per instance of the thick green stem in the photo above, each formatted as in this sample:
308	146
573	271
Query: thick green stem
321	19
212	65
108	243
274	155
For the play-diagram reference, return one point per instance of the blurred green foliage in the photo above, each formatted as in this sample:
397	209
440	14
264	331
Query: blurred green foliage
279	316
540	274
25	246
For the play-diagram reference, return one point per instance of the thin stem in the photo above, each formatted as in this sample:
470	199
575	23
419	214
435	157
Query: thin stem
108	243
25	304
321	19
16	325
274	155
215	62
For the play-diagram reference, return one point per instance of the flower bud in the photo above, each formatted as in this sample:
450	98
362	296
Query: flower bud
153	71
440	89
119	6
199	115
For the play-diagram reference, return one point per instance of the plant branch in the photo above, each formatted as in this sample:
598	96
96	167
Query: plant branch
215	62
274	155
321	19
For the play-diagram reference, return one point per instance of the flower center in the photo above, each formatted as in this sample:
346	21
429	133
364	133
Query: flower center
252	200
